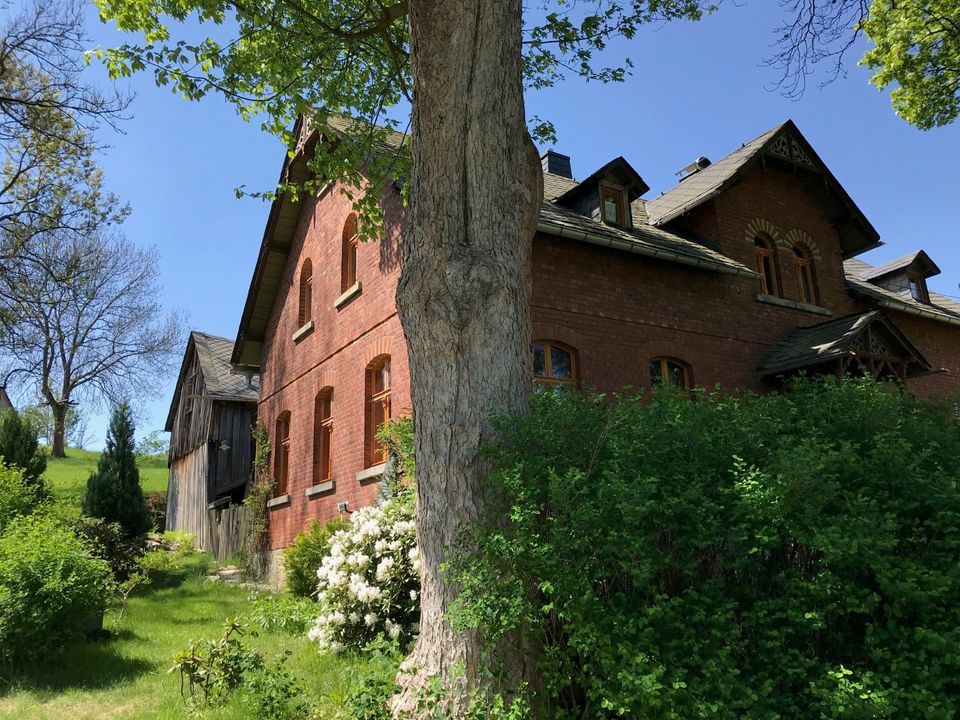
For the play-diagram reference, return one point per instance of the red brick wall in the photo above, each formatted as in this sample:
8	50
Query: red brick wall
335	354
617	310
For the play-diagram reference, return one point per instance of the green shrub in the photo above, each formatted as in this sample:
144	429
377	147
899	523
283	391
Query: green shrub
18	496
107	541
787	556
113	490
19	446
303	558
282	613
157	507
51	587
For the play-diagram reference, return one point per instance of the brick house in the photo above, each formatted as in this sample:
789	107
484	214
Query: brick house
744	272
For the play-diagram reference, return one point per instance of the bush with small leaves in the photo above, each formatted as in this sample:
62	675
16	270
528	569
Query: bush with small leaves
303	557
51	587
18	495
790	555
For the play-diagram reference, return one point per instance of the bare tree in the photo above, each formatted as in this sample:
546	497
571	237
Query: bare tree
48	114
82	321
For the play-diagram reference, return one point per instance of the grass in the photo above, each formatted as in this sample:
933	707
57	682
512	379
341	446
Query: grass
67	476
125	676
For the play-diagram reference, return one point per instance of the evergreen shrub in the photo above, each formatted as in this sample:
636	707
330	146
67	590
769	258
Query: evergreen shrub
113	490
302	559
785	556
51	587
19	446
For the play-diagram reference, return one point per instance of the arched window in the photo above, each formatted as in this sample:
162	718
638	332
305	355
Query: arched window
348	267
281	458
323	436
806	280
306	293
377	408
767	266
669	372
553	365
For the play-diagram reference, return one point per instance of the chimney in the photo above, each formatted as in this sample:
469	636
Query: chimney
556	164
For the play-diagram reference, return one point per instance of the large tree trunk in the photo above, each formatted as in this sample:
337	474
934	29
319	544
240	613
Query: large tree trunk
59	411
464	292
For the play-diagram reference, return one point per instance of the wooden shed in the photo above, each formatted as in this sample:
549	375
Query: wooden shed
211	420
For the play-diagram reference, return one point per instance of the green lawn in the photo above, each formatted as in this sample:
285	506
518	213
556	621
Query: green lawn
125	676
68	476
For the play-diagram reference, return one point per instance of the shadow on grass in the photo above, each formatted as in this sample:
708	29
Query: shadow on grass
84	666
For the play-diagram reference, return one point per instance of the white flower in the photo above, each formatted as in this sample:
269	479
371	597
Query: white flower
383	569
413	595
369	619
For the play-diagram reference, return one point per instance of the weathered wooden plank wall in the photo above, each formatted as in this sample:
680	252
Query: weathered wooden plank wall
225	530
187	493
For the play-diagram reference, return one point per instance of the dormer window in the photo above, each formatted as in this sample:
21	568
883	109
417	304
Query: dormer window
612	205
918	288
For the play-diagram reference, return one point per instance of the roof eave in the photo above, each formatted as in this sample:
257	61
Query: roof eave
556	229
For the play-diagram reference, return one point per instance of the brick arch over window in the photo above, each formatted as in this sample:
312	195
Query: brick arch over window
305	313
799	237
281	453
554	364
348	264
762	226
323	436
377	408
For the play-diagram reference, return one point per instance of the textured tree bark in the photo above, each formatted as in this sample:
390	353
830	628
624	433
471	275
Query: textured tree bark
464	291
59	411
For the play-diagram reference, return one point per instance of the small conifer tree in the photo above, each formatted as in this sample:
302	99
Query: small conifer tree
19	446
113	491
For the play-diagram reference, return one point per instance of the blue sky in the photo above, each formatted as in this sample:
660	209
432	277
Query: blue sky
697	89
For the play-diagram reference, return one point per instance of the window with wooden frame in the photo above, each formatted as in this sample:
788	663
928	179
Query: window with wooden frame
348	266
305	314
554	365
918	288
669	372
377	408
806	280
767	266
323	436
612	206
281	458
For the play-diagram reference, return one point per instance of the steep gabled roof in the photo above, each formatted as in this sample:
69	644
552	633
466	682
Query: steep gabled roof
213	356
807	347
783	143
282	222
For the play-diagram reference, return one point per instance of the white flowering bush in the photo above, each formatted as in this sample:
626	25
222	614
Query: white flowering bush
369	584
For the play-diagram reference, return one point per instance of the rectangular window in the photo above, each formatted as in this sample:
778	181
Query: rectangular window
612	206
378	409
281	461
323	437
